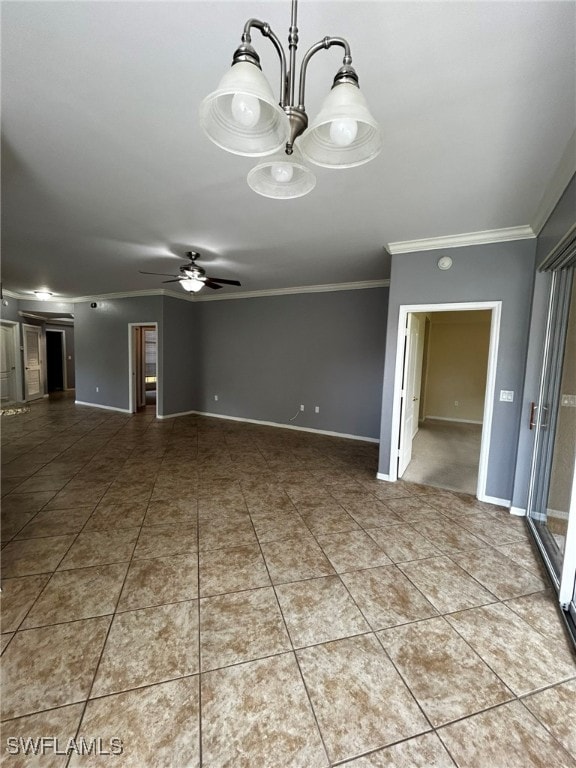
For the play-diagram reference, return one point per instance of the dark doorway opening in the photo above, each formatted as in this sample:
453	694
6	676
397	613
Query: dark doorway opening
55	361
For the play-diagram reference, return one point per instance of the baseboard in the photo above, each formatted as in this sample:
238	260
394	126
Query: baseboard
518	511
448	418
382	476
271	424
495	500
104	407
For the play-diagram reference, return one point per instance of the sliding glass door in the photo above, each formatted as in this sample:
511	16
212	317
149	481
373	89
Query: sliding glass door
552	500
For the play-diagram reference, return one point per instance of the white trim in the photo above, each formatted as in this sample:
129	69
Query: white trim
449	418
518	511
467	238
131	378
271	424
382	476
567	590
327	288
494	500
555	188
104	407
404	310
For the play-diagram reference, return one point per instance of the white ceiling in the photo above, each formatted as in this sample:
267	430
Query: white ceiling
106	170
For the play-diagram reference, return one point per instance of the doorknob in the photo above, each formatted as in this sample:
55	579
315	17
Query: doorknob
533	409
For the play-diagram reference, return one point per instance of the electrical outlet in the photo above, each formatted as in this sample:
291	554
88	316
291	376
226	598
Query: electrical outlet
216	398
301	407
97	389
456	403
317	409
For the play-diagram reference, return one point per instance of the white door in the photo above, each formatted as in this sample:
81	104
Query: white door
7	365
33	378
410	392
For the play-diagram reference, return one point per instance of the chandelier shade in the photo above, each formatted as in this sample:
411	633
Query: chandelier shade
344	133
282	176
242	115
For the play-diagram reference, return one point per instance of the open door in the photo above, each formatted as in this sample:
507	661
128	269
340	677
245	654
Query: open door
143	366
8	362
33	372
413	350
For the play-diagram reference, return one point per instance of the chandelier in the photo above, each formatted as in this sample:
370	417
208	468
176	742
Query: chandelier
242	116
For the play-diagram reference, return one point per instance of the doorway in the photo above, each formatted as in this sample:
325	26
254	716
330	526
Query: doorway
9	364
56	361
143	351
33	363
416	397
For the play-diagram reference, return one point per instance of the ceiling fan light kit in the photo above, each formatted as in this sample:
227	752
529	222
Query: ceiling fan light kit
193	277
242	116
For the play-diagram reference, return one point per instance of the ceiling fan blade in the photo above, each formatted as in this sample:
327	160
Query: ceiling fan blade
211	284
176	280
162	274
224	282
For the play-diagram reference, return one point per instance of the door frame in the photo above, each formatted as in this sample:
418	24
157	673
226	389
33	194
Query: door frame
18	350
467	306
64	371
132	366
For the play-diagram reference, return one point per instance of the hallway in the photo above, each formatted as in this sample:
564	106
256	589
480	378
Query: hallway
215	593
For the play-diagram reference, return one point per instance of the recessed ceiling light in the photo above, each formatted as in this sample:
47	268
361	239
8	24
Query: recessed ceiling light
43	295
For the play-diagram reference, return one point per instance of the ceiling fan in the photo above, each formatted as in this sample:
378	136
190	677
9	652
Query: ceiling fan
193	277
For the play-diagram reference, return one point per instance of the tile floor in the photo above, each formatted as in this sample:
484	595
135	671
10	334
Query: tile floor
221	594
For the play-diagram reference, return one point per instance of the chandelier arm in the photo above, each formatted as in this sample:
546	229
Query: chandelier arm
267	31
324	44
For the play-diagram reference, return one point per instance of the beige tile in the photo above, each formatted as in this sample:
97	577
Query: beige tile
445	584
258	714
101	548
56	522
447	678
5	639
274	526
372	513
172	512
241	627
348	681
386	597
165	540
329	519
108	515
12	522
294	559
78	594
51	666
411	509
502	638
232	569
16	598
498	573
229	530
448	536
403	542
495	529
160	580
148	646
77	497
30	556
525	554
59	724
120	491
35	483
555	708
505	736
158	726
426	751
540	610
352	551
26	502
318	610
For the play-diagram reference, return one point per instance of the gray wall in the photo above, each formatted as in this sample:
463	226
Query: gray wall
561	219
265	356
496	272
181	342
101	338
10	311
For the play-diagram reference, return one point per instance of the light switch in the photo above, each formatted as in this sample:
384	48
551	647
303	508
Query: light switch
506	396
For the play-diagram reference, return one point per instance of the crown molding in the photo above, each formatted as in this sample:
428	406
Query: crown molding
484	237
330	287
561	177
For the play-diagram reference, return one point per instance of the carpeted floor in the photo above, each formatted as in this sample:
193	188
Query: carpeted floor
445	454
